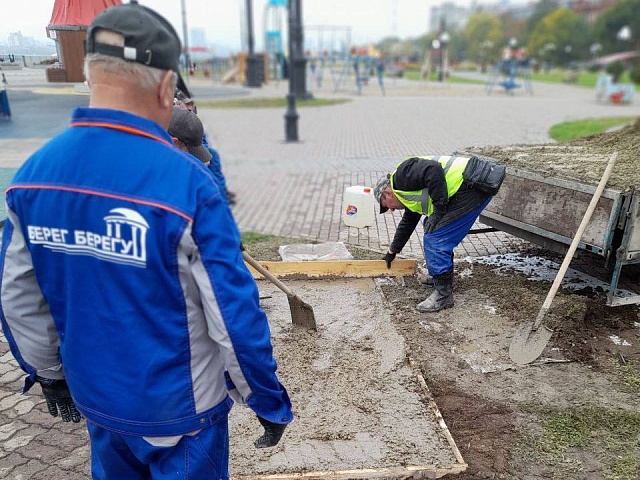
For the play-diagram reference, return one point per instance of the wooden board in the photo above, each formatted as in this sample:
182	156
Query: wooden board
339	268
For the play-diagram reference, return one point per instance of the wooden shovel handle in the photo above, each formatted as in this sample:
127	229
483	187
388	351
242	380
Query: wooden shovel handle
576	240
266	274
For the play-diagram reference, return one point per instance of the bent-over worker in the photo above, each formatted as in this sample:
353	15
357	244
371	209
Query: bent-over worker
432	186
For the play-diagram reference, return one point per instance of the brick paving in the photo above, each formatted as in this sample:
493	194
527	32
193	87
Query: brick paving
295	190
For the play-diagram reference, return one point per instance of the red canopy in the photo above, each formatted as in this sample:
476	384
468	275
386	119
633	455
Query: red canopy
78	12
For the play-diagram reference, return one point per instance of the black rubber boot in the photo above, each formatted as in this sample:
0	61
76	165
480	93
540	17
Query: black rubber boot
442	296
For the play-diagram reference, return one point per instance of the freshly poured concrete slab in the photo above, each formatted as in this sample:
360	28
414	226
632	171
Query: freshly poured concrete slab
361	411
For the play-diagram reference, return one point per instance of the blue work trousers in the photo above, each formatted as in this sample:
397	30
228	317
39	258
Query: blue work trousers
203	456
439	244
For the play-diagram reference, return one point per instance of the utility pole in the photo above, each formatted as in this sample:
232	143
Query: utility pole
185	41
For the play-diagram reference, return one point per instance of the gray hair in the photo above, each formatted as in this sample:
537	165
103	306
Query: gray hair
146	77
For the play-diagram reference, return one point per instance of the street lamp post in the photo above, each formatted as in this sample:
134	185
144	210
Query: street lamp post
624	35
297	59
291	116
485	46
444	40
254	76
594	49
185	34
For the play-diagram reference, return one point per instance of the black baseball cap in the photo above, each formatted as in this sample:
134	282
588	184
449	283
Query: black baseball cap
187	127
149	38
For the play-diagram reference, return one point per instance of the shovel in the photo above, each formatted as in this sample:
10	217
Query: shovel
301	313
530	339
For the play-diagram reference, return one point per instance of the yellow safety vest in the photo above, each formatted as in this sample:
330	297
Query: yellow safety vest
419	201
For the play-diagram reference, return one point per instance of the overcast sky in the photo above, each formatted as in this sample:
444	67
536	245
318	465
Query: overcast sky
370	20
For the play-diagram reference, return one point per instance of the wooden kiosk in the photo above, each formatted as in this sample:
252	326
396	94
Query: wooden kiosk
68	27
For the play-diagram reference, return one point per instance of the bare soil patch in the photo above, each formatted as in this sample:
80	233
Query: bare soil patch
496	410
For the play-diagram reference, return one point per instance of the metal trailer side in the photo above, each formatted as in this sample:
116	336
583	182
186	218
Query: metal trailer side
548	210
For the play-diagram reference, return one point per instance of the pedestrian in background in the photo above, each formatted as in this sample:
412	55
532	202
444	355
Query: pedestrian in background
450	192
123	289
380	72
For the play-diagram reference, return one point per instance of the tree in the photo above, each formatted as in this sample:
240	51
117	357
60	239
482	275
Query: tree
512	28
482	36
541	10
625	13
559	37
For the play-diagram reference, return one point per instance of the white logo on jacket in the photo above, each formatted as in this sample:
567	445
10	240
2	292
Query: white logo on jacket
124	241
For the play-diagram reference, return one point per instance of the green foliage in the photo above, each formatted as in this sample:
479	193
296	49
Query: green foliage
555	33
433	77
541	10
634	73
611	432
608	24
629	372
563	132
482	36
615	69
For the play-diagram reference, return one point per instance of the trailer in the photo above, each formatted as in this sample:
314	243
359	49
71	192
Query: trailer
547	210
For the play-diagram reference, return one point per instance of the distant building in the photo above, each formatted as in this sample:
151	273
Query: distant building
453	14
17	40
199	49
198	37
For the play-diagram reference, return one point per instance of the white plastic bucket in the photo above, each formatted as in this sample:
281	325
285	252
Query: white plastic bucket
357	207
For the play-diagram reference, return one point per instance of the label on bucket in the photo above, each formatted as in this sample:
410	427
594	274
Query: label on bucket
351	210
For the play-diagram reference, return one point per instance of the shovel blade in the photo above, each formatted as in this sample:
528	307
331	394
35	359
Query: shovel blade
301	313
528	344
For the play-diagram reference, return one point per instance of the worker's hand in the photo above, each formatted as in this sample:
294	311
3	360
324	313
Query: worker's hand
272	433
58	397
389	257
431	222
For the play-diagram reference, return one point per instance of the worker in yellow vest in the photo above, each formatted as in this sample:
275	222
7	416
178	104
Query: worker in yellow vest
450	192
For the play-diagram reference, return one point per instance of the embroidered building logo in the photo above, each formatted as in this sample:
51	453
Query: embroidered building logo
124	241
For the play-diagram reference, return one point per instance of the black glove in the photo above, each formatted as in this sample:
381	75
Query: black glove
431	222
58	397
389	257
272	433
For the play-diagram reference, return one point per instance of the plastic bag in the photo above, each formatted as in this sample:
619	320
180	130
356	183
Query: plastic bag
303	252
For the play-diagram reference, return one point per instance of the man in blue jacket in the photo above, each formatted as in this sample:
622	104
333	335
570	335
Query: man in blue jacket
215	164
123	291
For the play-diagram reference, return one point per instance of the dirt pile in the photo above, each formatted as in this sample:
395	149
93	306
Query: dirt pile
583	159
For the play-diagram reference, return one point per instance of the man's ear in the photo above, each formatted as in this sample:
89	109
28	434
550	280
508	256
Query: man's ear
176	142
166	89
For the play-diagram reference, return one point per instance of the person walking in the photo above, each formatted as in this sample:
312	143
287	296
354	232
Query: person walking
443	189
123	289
